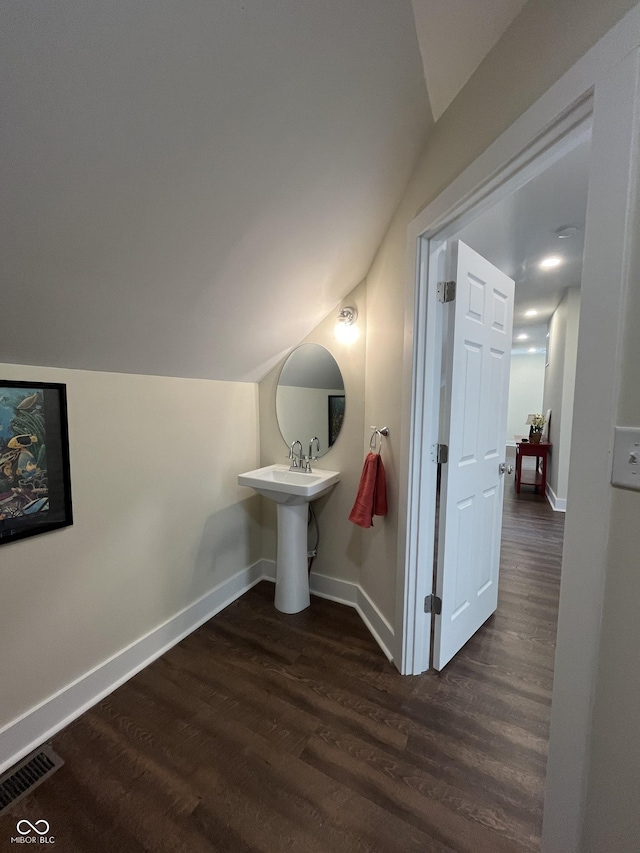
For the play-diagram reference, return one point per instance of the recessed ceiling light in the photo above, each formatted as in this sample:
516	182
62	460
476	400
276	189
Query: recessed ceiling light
523	337
566	231
550	262
532	349
530	313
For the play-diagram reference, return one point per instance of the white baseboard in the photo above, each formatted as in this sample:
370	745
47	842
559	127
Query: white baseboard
351	594
557	504
381	630
344	592
39	724
268	570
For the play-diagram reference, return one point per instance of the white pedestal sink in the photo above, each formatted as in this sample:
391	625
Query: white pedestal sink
292	491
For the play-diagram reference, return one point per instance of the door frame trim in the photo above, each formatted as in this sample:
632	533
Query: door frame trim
605	80
428	236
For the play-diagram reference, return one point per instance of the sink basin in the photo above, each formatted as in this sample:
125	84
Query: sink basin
292	491
283	486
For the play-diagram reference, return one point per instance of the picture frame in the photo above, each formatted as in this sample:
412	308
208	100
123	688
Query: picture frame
35	476
336	415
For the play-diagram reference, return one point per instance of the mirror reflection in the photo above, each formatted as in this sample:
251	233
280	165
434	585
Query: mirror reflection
310	398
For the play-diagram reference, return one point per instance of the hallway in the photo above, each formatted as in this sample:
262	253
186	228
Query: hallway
269	732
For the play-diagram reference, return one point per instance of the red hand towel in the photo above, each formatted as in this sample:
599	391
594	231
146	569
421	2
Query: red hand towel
380	505
372	492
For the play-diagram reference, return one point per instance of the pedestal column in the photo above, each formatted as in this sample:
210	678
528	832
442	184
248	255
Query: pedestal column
292	574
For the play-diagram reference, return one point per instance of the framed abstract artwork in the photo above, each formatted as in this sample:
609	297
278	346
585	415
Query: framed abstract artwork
35	481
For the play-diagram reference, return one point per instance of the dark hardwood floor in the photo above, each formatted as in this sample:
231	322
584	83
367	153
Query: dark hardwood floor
266	732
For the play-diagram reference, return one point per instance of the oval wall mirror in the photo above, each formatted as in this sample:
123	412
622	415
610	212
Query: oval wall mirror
310	399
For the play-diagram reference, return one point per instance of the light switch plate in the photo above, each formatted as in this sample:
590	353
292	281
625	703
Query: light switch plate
626	458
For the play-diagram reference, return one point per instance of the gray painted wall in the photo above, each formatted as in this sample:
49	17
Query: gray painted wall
159	521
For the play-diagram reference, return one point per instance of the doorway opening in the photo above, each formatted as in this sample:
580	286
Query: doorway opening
515	235
534	235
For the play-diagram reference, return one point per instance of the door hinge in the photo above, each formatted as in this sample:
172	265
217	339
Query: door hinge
446	291
442	453
433	604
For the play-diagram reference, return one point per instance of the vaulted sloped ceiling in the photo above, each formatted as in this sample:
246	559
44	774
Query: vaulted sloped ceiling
454	37
189	187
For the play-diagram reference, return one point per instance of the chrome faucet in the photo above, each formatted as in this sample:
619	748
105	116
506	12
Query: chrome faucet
311	458
292	456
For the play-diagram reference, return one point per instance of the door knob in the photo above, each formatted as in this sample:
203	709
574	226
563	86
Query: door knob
503	468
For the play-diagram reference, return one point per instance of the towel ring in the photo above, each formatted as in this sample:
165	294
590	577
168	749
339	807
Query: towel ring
384	431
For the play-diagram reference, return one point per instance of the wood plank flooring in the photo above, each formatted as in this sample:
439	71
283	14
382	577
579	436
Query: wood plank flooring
266	732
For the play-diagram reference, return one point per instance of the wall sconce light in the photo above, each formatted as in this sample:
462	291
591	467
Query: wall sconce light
345	329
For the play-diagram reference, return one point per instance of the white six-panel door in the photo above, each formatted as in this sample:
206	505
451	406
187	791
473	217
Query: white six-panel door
470	518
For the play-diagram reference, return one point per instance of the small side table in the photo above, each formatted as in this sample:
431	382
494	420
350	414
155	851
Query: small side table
541	452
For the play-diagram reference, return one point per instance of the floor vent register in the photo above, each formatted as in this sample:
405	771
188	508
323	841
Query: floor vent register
27	775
